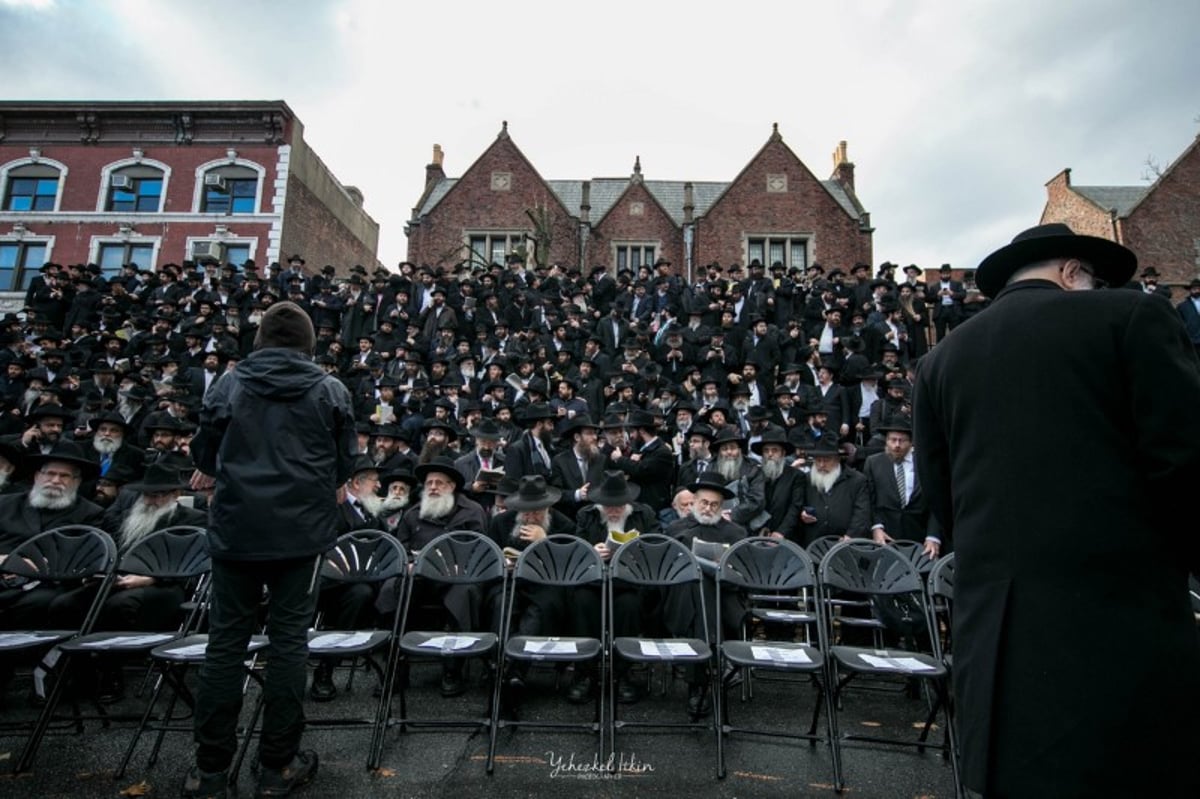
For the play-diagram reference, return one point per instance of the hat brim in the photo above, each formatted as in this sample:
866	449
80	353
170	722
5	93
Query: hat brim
598	497
156	488
546	500
425	469
788	447
706	486
89	469
1113	263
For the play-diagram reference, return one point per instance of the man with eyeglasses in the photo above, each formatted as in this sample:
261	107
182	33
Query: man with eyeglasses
1059	446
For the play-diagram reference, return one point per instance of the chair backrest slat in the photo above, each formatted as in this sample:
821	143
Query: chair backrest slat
561	560
766	564
364	556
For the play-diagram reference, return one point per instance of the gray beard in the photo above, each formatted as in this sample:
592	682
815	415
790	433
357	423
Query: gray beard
392	504
619	524
371	503
773	469
730	469
128	409
4	476
710	519
436	507
41	499
105	446
824	482
142	520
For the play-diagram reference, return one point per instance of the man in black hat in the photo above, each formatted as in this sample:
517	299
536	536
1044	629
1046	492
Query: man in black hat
1149	283
784	484
578	467
47	422
1051	554
487	458
837	500
1189	311
899	509
531	453
743	477
946	297
650	463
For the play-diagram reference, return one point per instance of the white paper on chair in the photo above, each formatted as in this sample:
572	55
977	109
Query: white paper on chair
665	649
23	639
779	654
451	642
339	640
552	647
896	664
189	651
121	641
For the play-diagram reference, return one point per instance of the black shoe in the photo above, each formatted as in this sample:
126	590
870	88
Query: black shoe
453	683
323	689
732	676
581	690
282	781
205	785
699	704
112	687
628	692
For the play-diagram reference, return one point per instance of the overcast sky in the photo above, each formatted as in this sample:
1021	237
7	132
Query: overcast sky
956	113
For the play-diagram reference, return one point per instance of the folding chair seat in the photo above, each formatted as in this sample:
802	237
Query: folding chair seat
561	562
455	559
658	562
174	554
864	568
67	558
363	557
758	566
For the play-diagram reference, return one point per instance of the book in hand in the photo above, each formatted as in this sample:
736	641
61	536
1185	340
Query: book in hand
493	476
708	550
618	537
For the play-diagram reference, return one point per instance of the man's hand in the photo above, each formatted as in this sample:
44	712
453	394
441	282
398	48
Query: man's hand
778	536
807	517
880	536
581	493
531	532
933	548
203	482
602	550
125	581
30	436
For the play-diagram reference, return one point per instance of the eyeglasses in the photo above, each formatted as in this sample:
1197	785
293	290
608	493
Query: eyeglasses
707	503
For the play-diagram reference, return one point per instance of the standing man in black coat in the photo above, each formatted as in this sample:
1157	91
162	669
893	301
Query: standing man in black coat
896	515
277	440
784	485
1056	555
946	297
650	464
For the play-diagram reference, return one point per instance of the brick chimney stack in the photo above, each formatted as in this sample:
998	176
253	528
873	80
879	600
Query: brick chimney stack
433	172
843	167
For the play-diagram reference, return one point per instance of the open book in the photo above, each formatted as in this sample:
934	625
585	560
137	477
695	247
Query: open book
618	537
493	476
708	550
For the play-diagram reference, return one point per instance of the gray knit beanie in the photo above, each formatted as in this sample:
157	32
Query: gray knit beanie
285	324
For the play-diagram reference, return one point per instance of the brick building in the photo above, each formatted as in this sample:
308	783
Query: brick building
775	209
1159	222
159	182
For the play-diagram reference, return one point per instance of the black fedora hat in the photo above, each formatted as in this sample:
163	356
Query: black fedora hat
362	464
487	429
640	418
438	424
12	454
402	475
772	435
159	479
826	445
441	465
897	424
614	490
532	494
711	481
580	422
1113	263
49	409
536	411
729	434
65	452
111	417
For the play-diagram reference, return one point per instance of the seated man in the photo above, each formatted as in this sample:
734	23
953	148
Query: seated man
837	500
785	485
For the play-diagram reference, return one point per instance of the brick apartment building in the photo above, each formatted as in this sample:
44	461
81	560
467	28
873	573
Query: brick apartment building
1159	222
775	209
152	183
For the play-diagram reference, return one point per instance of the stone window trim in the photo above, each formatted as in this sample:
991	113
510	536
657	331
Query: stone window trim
28	238
108	170
122	239
41	160
209	166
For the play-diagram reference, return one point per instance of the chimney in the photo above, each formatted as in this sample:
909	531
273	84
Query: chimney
433	172
585	202
689	204
843	168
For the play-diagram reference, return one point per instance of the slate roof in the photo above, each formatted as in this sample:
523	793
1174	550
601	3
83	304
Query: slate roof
1123	198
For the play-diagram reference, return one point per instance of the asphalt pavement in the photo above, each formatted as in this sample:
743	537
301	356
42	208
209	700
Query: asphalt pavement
529	762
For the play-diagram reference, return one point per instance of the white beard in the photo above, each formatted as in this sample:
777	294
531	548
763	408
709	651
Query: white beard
105	446
730	469
49	498
142	520
824	482
371	504
392	504
619	524
436	507
710	519
773	468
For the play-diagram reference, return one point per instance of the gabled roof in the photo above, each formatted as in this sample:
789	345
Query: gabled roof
1122	198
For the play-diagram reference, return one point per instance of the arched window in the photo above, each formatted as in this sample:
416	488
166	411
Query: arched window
136	188
230	189
32	186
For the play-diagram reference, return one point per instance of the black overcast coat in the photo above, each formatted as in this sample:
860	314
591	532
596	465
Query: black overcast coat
278	434
1057	437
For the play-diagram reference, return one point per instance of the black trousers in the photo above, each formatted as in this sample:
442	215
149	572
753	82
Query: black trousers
236	592
46	606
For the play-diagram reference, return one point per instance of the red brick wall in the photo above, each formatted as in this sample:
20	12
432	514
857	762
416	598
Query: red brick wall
73	240
1083	216
309	229
1164	229
472	205
806	207
653	226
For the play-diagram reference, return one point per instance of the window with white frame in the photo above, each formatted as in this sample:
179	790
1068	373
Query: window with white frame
226	252
20	262
135	189
112	255
229	189
491	248
631	255
777	248
31	187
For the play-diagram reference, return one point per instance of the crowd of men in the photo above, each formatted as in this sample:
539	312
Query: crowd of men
515	402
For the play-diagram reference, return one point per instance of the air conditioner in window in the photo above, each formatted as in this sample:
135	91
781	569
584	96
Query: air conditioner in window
215	181
207	249
122	182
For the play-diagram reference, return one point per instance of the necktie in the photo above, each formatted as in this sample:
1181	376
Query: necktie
485	463
901	484
105	463
701	466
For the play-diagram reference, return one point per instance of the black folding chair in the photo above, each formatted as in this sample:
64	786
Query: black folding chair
560	562
848	612
657	562
915	552
864	568
781	571
455	559
175	553
940	587
363	556
68	558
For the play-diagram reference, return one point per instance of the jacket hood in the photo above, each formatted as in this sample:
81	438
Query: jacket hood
279	373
